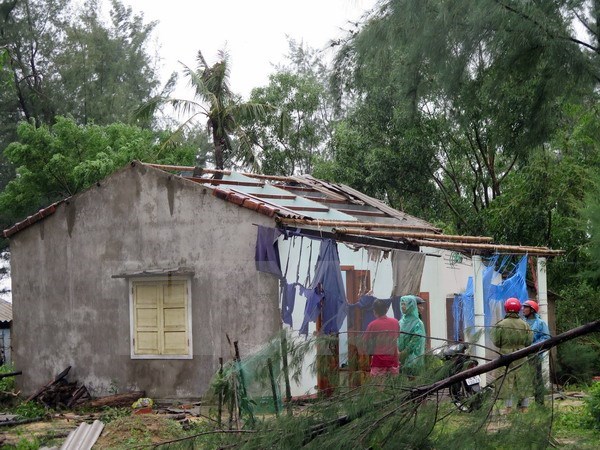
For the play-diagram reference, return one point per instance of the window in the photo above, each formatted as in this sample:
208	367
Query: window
161	318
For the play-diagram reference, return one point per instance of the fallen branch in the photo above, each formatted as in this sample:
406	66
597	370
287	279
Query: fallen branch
11	374
505	360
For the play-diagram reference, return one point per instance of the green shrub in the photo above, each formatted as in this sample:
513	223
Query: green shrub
109	414
592	404
30	410
7	384
577	363
26	444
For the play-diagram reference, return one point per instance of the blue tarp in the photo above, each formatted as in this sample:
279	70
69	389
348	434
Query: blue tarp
494	295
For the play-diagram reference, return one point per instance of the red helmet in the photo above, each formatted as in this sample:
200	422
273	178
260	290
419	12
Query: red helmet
533	305
512	305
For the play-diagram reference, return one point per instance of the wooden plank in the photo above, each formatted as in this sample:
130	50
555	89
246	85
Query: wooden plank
47	386
309	208
296	188
224	182
358	212
355	224
276	196
327	200
414	235
516	249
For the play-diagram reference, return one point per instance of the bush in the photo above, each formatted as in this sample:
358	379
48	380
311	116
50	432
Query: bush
7	384
577	363
30	410
592	404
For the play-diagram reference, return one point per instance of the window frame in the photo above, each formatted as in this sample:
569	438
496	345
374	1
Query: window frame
131	283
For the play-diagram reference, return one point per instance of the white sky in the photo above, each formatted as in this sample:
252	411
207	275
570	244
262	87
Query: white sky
253	31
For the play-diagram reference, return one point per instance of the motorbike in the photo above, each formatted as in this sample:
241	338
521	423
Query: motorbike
466	394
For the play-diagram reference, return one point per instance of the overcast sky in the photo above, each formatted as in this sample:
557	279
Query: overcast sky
253	31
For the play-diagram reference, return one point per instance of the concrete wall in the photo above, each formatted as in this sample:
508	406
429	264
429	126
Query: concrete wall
68	310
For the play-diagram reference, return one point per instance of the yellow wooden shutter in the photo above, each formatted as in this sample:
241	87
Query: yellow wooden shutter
147	299
175	318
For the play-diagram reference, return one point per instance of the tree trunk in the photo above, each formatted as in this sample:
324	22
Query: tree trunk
218	143
125	399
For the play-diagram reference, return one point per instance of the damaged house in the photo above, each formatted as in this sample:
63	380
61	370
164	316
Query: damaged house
142	281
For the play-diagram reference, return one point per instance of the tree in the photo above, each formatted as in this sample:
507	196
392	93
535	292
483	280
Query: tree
54	162
295	131
61	62
105	70
467	90
222	109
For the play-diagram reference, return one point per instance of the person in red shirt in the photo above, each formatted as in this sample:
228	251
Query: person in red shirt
381	336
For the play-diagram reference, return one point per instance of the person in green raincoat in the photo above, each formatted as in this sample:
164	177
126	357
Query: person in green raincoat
411	343
511	334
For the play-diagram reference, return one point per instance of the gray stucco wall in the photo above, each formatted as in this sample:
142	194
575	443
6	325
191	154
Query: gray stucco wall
68	310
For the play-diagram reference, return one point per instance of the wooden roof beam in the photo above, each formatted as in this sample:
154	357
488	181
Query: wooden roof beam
224	172
357	224
412	235
516	249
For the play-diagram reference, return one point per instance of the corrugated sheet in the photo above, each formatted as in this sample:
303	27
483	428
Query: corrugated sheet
6	314
277	198
358	196
83	437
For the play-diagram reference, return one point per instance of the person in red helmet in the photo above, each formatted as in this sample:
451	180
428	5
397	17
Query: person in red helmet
540	333
511	334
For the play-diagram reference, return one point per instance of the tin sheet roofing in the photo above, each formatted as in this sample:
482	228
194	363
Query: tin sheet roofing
6	314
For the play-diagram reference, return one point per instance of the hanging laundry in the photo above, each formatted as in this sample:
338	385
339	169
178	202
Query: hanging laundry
288	300
266	255
327	284
374	254
407	270
314	303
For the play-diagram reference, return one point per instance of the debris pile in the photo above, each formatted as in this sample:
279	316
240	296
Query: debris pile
59	393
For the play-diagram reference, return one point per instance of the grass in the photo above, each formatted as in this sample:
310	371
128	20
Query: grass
573	428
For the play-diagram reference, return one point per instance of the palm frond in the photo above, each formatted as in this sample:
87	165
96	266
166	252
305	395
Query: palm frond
146	111
175	136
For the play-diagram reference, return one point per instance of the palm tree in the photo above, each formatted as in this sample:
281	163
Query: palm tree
223	110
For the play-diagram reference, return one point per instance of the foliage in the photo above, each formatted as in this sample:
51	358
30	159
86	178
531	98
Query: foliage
138	430
296	128
577	363
572	419
592	403
26	444
30	410
106	66
458	94
222	109
110	414
69	61
61	160
7	384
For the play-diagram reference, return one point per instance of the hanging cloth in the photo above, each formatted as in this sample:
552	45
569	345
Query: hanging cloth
266	254
407	270
328	293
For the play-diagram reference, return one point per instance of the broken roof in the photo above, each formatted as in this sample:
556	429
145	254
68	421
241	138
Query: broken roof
329	209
